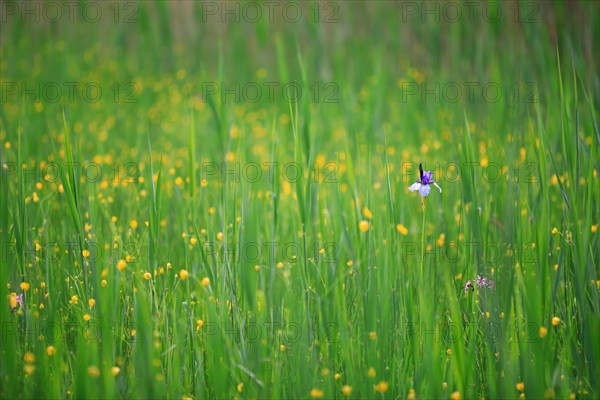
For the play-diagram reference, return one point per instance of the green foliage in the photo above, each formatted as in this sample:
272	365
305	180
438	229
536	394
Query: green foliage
153	263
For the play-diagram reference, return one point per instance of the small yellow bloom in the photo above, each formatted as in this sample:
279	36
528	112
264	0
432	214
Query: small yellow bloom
382	387
133	224
183	274
347	390
520	386
316	393
220	236
193	241
13	300
554	231
555	321
147	276
367	213
373	335
240	387
337	376
594	228
103	283
91	302
455	395
543	331
85	253
74	299
205	281
86	317
29	358
281	347
115	371
133	332
24	286
93	371
121	264
50	350
449	351
363	225
411	394
371	373
402	229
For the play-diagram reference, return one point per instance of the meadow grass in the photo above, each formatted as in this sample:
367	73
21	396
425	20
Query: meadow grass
152	263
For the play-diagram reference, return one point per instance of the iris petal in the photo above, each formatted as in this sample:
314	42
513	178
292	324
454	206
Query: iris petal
414	186
424	190
427	177
436	185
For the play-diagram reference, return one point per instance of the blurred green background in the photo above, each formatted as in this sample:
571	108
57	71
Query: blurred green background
498	98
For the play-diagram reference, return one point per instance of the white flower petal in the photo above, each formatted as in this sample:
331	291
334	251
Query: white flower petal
436	185
414	186
424	190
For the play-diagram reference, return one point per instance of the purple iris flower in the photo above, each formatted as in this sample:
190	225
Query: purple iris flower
422	185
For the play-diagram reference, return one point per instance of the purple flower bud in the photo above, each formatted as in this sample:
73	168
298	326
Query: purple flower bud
469	285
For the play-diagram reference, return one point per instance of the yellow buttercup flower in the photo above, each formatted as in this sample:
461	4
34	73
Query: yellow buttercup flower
382	387
93	371
363	226
402	229
183	274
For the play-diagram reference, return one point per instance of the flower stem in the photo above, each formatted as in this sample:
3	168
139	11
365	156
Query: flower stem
422	244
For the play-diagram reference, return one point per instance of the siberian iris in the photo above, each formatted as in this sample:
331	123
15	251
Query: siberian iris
422	185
